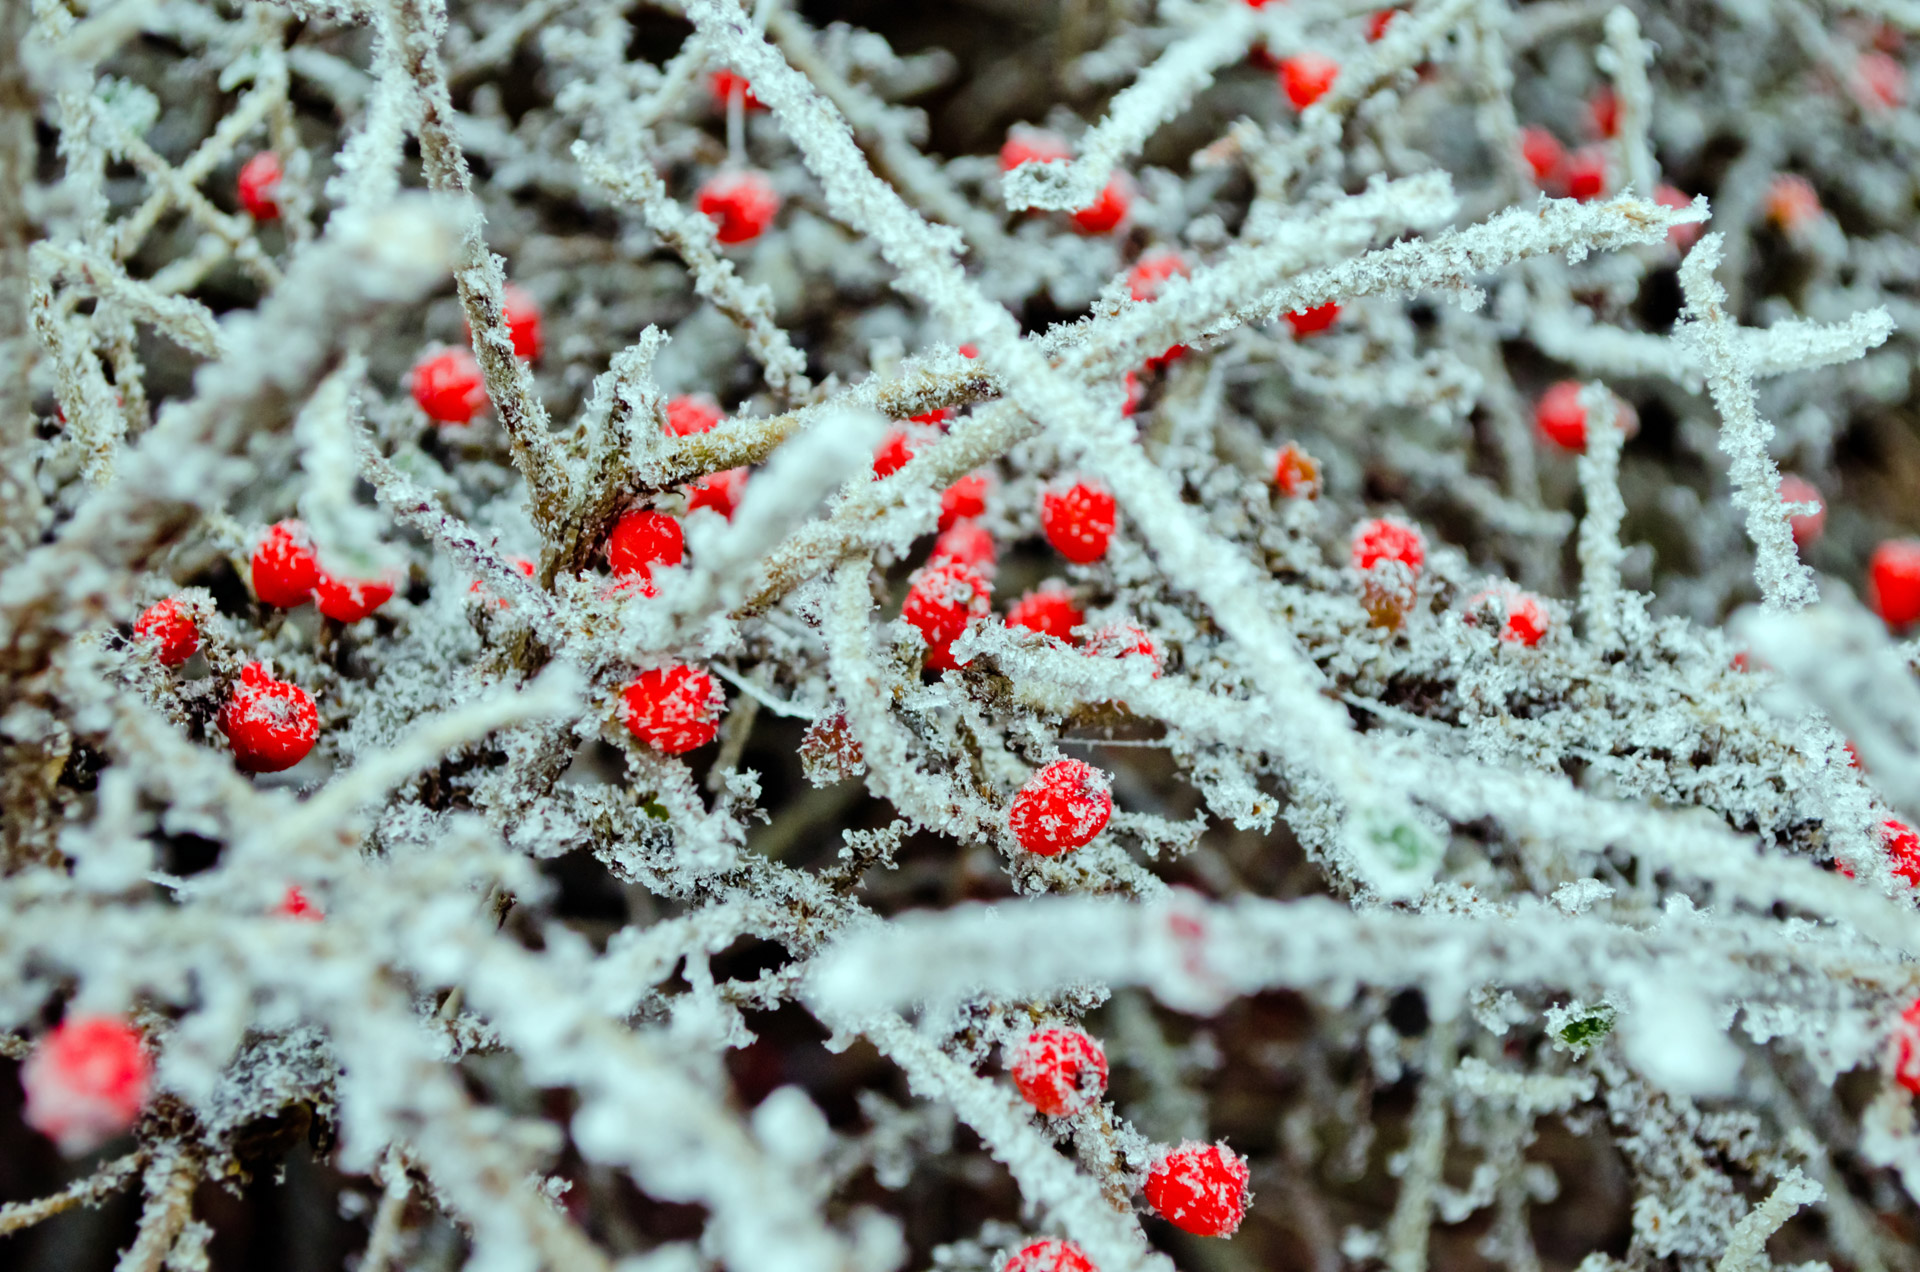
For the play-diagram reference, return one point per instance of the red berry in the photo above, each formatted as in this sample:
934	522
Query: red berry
1525	622
1295	474
1792	203
741	204
722	84
270	724
1145	279
893	453
294	905
258	186
673	709
1307	77
170	630
943	597
1893	581
1078	521
966	542
642	539
1059	1071
1587	173
1807	526
1053	1256
719	491
936	418
1200	1188
1681	236
692	413
1544	154
1049	611
1032	145
969	351
1883	77
965	498
350	600
86	1081
1902	846
1384	539
1307	322
1062	807
1603	112
284	566
1377	24
1560	417
449	387
1124	640
1104	214
522	314
1906	1068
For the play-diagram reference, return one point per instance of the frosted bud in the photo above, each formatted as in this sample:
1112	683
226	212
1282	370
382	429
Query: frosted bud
790	1127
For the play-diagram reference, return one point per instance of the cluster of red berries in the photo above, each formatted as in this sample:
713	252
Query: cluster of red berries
691	413
448	385
1110	207
86	1081
286	573
1581	174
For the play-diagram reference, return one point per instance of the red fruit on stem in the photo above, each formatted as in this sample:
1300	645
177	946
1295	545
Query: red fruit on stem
1560	417
1053	1256
1124	640
936	418
1524	621
1200	1188
1059	1071
170	630
1543	153
86	1081
965	498
284	566
1152	271
1385	539
943	597
692	413
1893	581
719	491
741	205
1078	521
1587	173
294	905
1603	112
642	539
673	709
966	542
969	351
1049	611
1806	526
449	387
1033	145
1906	1068
522	315
722	85
1306	77
1902	846
258	186
1104	214
350	600
1295	473
1062	807
270	724
893	453
1307	322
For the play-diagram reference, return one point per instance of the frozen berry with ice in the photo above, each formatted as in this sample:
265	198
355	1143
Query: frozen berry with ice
1059	1071
1893	581
1048	610
285	568
1200	1188
942	598
673	709
1078	520
1062	807
741	205
168	630
1049	1256
270	724
448	386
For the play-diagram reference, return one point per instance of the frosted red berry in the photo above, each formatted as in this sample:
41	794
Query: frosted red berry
350	600
719	491
521	313
1296	475
722	84
270	724
893	453
1893	581
1306	77
1049	1256
284	566
1032	145
969	350
1560	417
1151	272
673	709
1807	527
1385	539
1544	155
642	539
1105	214
1308	322
258	186
1049	611
1883	78
1062	807
1902	846
966	542
942	599
1603	113
740	204
1200	1188
1587	173
448	386
1124	640
1059	1071
1378	23
692	413
965	498
1906	1066
295	905
1078	520
168	629
1792	203
1523	621
86	1081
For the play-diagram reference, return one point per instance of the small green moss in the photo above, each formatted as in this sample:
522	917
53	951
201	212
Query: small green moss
1585	1030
